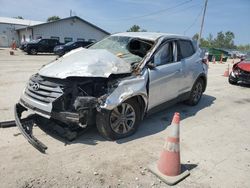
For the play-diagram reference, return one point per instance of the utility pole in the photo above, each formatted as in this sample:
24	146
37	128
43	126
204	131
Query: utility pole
202	21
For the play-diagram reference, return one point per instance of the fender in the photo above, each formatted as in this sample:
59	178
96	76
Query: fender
128	88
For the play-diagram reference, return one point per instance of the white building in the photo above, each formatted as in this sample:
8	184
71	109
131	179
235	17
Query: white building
8	27
65	30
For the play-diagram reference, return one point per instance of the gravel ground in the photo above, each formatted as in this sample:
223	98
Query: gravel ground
215	140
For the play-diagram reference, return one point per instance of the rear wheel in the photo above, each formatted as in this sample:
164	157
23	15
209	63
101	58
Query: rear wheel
120	122
196	93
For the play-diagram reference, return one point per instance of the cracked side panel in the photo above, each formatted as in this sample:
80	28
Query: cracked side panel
127	88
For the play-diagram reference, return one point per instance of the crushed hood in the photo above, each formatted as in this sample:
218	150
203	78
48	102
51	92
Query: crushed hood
244	65
86	63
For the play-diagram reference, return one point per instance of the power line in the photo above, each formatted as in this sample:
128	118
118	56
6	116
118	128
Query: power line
171	13
152	13
195	20
184	9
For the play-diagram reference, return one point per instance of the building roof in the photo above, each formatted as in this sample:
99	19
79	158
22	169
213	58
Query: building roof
73	17
149	35
18	21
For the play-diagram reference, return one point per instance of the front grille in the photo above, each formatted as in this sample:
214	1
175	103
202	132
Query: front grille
43	90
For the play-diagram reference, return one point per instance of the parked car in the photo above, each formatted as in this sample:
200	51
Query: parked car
62	49
240	72
41	46
23	46
240	54
114	83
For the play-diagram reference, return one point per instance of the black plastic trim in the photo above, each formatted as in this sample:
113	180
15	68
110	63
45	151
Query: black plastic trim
25	126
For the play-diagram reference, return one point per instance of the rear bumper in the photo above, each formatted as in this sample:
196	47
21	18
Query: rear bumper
26	127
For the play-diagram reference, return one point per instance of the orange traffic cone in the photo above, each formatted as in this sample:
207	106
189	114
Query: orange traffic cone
226	73
168	168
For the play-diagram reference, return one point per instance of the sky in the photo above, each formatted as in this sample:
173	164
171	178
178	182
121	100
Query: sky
170	16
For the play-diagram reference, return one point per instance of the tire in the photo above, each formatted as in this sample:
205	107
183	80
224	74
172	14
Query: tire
32	51
61	54
106	120
231	80
196	93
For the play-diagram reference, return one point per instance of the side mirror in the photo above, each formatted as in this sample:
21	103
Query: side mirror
151	65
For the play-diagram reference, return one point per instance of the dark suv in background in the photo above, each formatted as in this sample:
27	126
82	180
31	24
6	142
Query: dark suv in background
62	49
41	45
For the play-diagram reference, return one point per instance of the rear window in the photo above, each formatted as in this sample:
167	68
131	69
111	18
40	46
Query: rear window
185	49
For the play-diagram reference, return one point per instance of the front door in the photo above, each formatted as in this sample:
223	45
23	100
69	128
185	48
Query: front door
164	79
43	45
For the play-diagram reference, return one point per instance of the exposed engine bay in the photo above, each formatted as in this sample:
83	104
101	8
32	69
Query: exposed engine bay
79	99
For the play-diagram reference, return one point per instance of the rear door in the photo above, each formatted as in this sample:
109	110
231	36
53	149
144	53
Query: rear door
164	82
43	45
191	65
51	45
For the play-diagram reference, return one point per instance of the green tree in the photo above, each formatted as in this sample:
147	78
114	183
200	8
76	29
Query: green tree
245	47
224	40
195	37
136	28
53	18
204	43
210	40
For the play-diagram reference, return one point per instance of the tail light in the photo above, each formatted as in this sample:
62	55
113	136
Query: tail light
205	61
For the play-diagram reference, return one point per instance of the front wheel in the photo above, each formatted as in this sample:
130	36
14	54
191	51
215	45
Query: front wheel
120	122
33	51
196	93
232	80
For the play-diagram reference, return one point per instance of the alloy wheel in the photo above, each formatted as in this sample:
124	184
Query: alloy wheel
197	92
122	118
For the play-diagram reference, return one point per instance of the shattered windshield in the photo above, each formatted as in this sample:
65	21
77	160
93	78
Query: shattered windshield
118	46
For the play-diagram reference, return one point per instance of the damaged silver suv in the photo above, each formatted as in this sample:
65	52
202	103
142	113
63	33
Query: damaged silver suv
114	83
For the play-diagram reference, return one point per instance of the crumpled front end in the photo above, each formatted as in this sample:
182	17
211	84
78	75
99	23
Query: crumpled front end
127	88
240	76
76	100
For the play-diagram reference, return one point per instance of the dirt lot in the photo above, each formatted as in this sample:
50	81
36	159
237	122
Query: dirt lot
215	140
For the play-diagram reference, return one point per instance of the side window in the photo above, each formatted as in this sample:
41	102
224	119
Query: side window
52	42
164	55
44	42
67	39
80	39
76	44
56	38
185	49
92	40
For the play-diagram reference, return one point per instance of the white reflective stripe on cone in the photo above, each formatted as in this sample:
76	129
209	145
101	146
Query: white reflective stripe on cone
171	147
